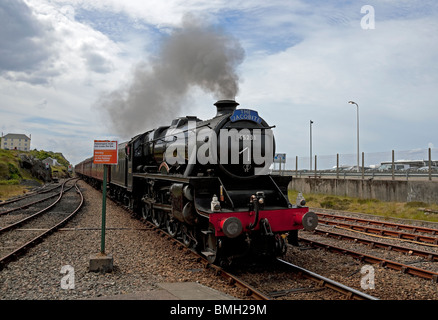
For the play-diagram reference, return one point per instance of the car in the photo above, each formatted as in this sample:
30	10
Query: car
426	168
397	167
342	168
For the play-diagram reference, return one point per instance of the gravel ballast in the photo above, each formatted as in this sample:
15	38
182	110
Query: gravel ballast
142	259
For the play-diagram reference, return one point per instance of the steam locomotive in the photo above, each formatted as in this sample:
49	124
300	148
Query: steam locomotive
208	183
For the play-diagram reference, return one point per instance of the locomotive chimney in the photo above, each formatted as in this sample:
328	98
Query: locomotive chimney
225	107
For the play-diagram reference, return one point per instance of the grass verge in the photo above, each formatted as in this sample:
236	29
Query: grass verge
8	191
403	210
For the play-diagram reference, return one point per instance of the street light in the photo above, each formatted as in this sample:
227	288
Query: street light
311	145
352	102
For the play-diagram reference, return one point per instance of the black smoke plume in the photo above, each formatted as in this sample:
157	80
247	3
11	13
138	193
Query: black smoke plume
194	55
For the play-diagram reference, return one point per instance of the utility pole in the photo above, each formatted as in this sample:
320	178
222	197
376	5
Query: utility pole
352	102
311	122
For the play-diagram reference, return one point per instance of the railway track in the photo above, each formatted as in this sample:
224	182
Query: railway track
231	279
26	212
358	230
397	226
257	294
429	255
258	291
142	268
348	292
322	281
30	204
364	227
14	242
363	257
41	190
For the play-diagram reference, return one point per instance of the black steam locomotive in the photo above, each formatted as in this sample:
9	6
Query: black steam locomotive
208	183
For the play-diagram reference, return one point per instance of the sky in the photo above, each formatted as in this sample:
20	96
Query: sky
63	62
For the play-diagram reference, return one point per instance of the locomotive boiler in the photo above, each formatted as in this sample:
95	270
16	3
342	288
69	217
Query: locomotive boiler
208	183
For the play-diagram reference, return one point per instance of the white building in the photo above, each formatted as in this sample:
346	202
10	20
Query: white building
50	161
13	141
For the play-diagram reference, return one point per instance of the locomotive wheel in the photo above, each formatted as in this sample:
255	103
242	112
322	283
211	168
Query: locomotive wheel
126	201
211	249
172	227
292	238
280	246
146	211
186	239
157	218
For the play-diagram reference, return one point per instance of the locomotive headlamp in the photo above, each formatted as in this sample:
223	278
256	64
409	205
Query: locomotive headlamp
215	204
301	202
260	197
232	227
260	194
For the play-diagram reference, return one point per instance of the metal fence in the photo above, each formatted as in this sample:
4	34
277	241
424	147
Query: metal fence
407	164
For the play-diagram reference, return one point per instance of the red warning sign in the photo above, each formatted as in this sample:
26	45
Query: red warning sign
105	152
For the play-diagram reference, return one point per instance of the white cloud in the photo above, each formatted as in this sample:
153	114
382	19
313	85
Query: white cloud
79	63
303	61
390	72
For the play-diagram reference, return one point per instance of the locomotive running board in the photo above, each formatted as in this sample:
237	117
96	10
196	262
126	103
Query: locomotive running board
163	177
176	178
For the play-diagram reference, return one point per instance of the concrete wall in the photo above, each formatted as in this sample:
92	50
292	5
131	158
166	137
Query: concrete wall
385	190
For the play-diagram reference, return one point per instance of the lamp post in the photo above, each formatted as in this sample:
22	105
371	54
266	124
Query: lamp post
311	145
352	102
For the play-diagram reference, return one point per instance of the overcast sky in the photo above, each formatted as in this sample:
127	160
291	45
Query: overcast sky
301	61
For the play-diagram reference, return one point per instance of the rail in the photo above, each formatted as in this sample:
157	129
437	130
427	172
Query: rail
398	226
351	293
404	268
23	248
431	256
232	280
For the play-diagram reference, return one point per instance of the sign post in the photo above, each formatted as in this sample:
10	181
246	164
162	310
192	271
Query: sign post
280	158
102	240
105	153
